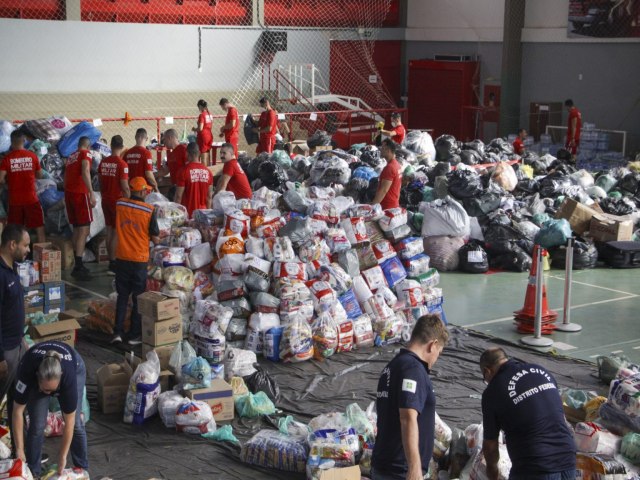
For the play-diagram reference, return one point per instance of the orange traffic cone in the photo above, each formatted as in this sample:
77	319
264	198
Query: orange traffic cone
127	119
526	316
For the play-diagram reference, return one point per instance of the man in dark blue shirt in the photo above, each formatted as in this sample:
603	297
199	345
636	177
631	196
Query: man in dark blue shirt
14	247
406	405
522	400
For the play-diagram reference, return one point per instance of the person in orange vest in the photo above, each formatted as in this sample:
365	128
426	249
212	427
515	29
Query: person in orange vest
136	226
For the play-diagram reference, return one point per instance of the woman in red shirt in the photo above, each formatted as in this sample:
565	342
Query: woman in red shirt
204	137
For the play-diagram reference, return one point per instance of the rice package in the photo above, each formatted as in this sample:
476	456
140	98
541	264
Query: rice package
296	309
229	243
211	346
144	388
199	256
383	250
187	237
236	221
365	211
269	227
417	265
410	293
294	291
356	230
324	210
393	271
313	249
625	394
266	196
375	278
325	336
292	270
272	339
363	331
322	193
256	276
409	247
254	341
429	279
195	417
339	280
399	233
278	249
350	304
273	449
337	240
377	308
413	314
230	289
322	294
393	218
297	342
592	438
345	336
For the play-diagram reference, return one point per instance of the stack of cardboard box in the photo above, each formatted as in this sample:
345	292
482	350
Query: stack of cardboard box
49	258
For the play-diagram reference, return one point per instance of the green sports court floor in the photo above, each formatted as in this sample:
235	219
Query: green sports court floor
606	302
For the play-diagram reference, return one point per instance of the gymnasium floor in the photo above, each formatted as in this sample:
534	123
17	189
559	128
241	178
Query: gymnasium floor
606	302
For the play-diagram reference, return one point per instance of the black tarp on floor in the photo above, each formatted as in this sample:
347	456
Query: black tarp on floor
121	451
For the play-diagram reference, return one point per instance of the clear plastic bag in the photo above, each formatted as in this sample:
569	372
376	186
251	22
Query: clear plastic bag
196	374
168	403
297	342
182	354
187	237
289	426
278	249
174	212
239	363
222	202
325	336
178	278
254	405
142	397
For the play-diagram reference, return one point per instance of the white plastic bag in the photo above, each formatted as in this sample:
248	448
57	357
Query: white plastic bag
195	417
200	255
168	403
142	397
444	217
239	363
393	218
222	202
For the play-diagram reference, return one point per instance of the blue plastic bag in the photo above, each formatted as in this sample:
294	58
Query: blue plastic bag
553	233
50	197
272	343
366	173
196	374
393	271
350	304
5	135
69	143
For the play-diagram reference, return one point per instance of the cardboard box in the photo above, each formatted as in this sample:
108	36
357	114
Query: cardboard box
578	215
218	396
158	306
98	246
113	383
161	332
50	259
345	473
67	258
609	228
62	331
54	292
164	353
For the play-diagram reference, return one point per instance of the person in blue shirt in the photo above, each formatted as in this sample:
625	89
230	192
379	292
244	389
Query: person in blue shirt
522	399
406	406
50	369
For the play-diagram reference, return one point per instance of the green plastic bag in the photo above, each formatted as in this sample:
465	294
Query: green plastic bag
42	319
540	218
608	366
606	182
290	426
630	447
222	434
40	148
282	158
553	233
254	405
358	419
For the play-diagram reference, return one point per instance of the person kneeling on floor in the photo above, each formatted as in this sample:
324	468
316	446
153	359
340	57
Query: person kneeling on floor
50	368
136	226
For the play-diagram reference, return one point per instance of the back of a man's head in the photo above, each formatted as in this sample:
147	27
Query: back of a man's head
492	357
117	143
391	145
17	138
568	102
84	143
428	328
141	135
12	233
193	152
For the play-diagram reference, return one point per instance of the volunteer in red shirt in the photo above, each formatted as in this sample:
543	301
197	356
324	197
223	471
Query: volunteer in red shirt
79	200
233	178
232	125
267	127
140	161
518	144
195	182
574	127
204	135
114	184
388	193
19	170
176	159
398	132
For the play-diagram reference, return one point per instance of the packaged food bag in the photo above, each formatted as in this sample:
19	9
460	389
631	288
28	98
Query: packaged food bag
345	336
350	304
592	438
410	293
229	243
393	271
168	403
237	222
409	247
195	417
356	230
273	449
256	275
272	338
393	218
337	240
375	278
291	269
297	342
363	331
416	265
383	250
142	397
278	249
325	336
322	294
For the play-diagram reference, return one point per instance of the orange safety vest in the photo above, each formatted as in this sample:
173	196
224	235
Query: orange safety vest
132	228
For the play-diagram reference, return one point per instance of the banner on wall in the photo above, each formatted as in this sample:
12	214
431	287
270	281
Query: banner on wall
604	18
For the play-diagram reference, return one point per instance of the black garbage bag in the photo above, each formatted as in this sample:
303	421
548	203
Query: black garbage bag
357	189
630	183
500	145
618	206
496	233
412	195
470	157
563	154
418	142
585	255
250	135
371	156
261	381
490	157
406	155
319	139
527	245
560	166
554	185
244	161
272	176
473	258
355	165
474	145
464	184
529	157
446	147
454	159
516	260
253	170
481	205
355	152
528	185
439	170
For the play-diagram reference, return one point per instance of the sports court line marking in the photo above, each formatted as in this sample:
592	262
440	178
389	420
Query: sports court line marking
617	351
558	309
617	344
86	290
594	286
636	348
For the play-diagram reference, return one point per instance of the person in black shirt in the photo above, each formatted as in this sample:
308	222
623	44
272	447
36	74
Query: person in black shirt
13	248
406	405
522	400
50	368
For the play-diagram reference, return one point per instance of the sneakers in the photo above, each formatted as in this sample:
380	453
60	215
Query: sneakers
116	339
44	458
81	273
133	341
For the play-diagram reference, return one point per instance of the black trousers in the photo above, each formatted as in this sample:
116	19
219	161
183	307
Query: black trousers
131	280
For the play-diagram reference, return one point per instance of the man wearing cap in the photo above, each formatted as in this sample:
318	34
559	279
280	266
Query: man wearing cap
230	129
136	226
398	132
267	127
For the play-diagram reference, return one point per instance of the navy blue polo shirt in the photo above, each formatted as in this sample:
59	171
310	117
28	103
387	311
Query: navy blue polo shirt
11	309
404	383
523	401
27	379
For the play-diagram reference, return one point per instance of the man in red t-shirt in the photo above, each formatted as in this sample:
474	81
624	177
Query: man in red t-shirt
114	184
19	170
140	161
518	144
390	181
79	200
176	159
232	125
195	182
398	132
267	127
574	127
233	177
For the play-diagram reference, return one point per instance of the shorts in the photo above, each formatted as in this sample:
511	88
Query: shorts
79	210
233	140
266	144
109	210
204	141
30	216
